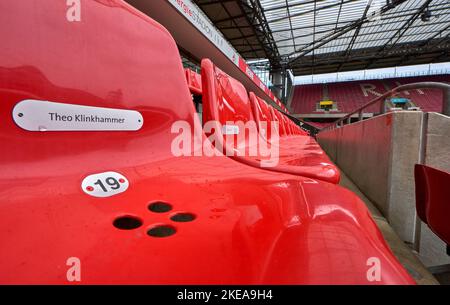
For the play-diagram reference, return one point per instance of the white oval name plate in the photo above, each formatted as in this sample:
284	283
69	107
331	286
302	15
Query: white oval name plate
36	115
104	184
230	129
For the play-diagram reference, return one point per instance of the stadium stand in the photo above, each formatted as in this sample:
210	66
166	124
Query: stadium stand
350	95
305	98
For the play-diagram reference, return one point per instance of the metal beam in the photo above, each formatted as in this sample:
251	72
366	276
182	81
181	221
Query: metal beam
311	11
367	26
230	18
290	22
438	34
363	35
273	8
339	33
266	39
339	15
355	35
425	41
404	28
367	55
234	21
211	2
387	15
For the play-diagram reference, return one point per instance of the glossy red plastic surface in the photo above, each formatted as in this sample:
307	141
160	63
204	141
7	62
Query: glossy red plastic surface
432	199
194	81
299	154
287	127
277	117
252	226
262	113
225	100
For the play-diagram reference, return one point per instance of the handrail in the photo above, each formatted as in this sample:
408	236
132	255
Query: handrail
422	85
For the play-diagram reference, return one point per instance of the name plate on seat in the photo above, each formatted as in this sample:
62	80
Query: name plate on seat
36	115
230	129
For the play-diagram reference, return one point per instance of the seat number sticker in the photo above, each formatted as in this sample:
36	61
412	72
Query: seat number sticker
104	184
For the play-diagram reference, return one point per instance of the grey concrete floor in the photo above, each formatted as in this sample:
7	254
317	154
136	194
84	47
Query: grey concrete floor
402	251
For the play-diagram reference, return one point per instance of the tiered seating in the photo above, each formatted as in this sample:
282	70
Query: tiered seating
262	112
305	98
248	226
351	95
225	100
427	99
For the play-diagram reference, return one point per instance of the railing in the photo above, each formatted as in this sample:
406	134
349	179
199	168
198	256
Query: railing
422	85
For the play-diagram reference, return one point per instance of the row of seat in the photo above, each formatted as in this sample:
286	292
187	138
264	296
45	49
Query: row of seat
247	225
226	100
286	126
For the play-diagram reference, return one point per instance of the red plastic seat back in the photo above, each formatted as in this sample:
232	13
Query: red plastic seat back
261	110
290	127
194	81
100	74
226	101
287	123
277	116
293	128
433	198
262	114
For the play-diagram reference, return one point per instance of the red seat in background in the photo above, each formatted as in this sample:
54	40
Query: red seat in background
194	81
251	226
225	99
432	199
277	117
287	126
296	151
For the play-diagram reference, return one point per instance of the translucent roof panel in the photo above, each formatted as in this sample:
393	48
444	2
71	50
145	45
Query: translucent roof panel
304	27
325	36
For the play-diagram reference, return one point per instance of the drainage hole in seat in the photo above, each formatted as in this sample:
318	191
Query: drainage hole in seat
183	217
127	223
161	231
159	207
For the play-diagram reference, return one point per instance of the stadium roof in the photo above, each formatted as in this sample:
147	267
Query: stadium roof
322	36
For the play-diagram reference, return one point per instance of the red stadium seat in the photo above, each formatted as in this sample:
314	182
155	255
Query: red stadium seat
194	81
287	126
277	117
261	113
291	126
225	100
297	151
248	226
432	197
